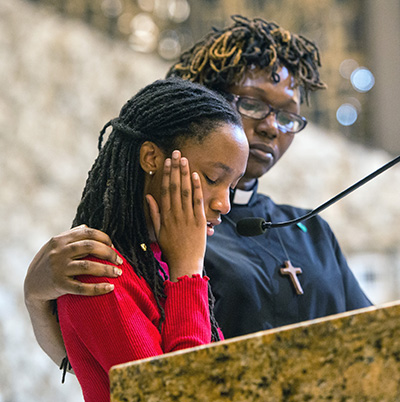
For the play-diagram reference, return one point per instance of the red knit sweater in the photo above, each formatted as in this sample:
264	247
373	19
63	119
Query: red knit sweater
121	326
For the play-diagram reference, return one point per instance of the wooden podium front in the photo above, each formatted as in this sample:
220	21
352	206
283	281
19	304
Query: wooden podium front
350	356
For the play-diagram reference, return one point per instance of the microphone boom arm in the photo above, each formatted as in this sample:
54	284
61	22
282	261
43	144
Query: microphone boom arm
268	225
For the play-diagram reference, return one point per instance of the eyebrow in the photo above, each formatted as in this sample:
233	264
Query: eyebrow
227	169
222	166
262	93
257	89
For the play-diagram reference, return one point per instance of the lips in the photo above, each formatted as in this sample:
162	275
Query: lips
262	152
211	224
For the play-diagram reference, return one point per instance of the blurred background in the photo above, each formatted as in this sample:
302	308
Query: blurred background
67	67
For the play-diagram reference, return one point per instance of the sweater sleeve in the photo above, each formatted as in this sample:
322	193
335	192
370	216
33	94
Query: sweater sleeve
187	314
122	325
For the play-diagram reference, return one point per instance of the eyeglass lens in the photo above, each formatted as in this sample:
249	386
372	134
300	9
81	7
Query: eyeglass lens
257	109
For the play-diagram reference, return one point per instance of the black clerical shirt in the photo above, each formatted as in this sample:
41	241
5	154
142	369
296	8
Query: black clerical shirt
252	294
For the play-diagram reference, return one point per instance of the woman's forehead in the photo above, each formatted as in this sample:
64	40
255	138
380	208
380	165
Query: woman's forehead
281	92
256	76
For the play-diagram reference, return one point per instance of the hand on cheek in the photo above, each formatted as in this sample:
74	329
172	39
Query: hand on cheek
179	221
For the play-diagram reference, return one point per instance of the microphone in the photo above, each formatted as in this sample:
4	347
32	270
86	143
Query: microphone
252	226
257	226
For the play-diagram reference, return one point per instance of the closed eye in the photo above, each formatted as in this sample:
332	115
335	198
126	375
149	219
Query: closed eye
209	181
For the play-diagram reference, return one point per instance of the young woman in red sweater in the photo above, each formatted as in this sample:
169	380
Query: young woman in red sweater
158	212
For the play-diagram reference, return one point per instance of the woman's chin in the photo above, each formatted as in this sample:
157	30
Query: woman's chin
253	172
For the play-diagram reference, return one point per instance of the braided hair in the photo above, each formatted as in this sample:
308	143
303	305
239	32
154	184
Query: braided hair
167	112
221	58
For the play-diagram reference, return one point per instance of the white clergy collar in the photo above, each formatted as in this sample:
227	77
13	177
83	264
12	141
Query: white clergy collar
242	197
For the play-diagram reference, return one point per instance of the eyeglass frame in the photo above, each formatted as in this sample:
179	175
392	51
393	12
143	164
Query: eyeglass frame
236	98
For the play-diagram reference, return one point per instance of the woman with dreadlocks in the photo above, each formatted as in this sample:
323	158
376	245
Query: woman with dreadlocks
142	193
266	72
288	274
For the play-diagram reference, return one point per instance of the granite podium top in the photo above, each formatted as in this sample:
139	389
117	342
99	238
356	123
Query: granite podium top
353	356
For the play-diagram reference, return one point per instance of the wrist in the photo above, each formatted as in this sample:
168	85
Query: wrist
176	271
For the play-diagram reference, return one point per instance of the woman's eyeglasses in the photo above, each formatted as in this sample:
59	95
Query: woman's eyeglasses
256	109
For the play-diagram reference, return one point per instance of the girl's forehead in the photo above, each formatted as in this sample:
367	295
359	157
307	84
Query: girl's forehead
220	142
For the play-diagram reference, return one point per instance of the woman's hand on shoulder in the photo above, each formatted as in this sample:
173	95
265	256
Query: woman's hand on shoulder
179	222
52	272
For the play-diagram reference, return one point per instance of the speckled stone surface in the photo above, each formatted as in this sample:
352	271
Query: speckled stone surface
353	356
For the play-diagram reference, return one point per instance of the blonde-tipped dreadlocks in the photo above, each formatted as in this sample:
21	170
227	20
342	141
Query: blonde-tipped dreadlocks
221	58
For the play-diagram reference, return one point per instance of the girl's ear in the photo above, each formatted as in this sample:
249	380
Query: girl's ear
151	157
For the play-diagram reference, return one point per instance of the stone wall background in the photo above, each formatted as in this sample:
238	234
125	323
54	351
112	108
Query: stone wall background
60	82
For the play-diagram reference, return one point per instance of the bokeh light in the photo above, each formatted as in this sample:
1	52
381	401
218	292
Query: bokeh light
178	10
145	33
161	9
347	67
346	114
362	79
169	46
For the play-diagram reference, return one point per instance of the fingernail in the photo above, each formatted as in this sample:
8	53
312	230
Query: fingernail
168	162
117	271
183	161
119	260
195	176
175	154
109	287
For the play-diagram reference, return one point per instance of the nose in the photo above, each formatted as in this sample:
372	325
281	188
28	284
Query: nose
220	202
268	127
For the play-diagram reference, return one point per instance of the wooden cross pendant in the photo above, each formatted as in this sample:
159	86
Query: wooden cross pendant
292	272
